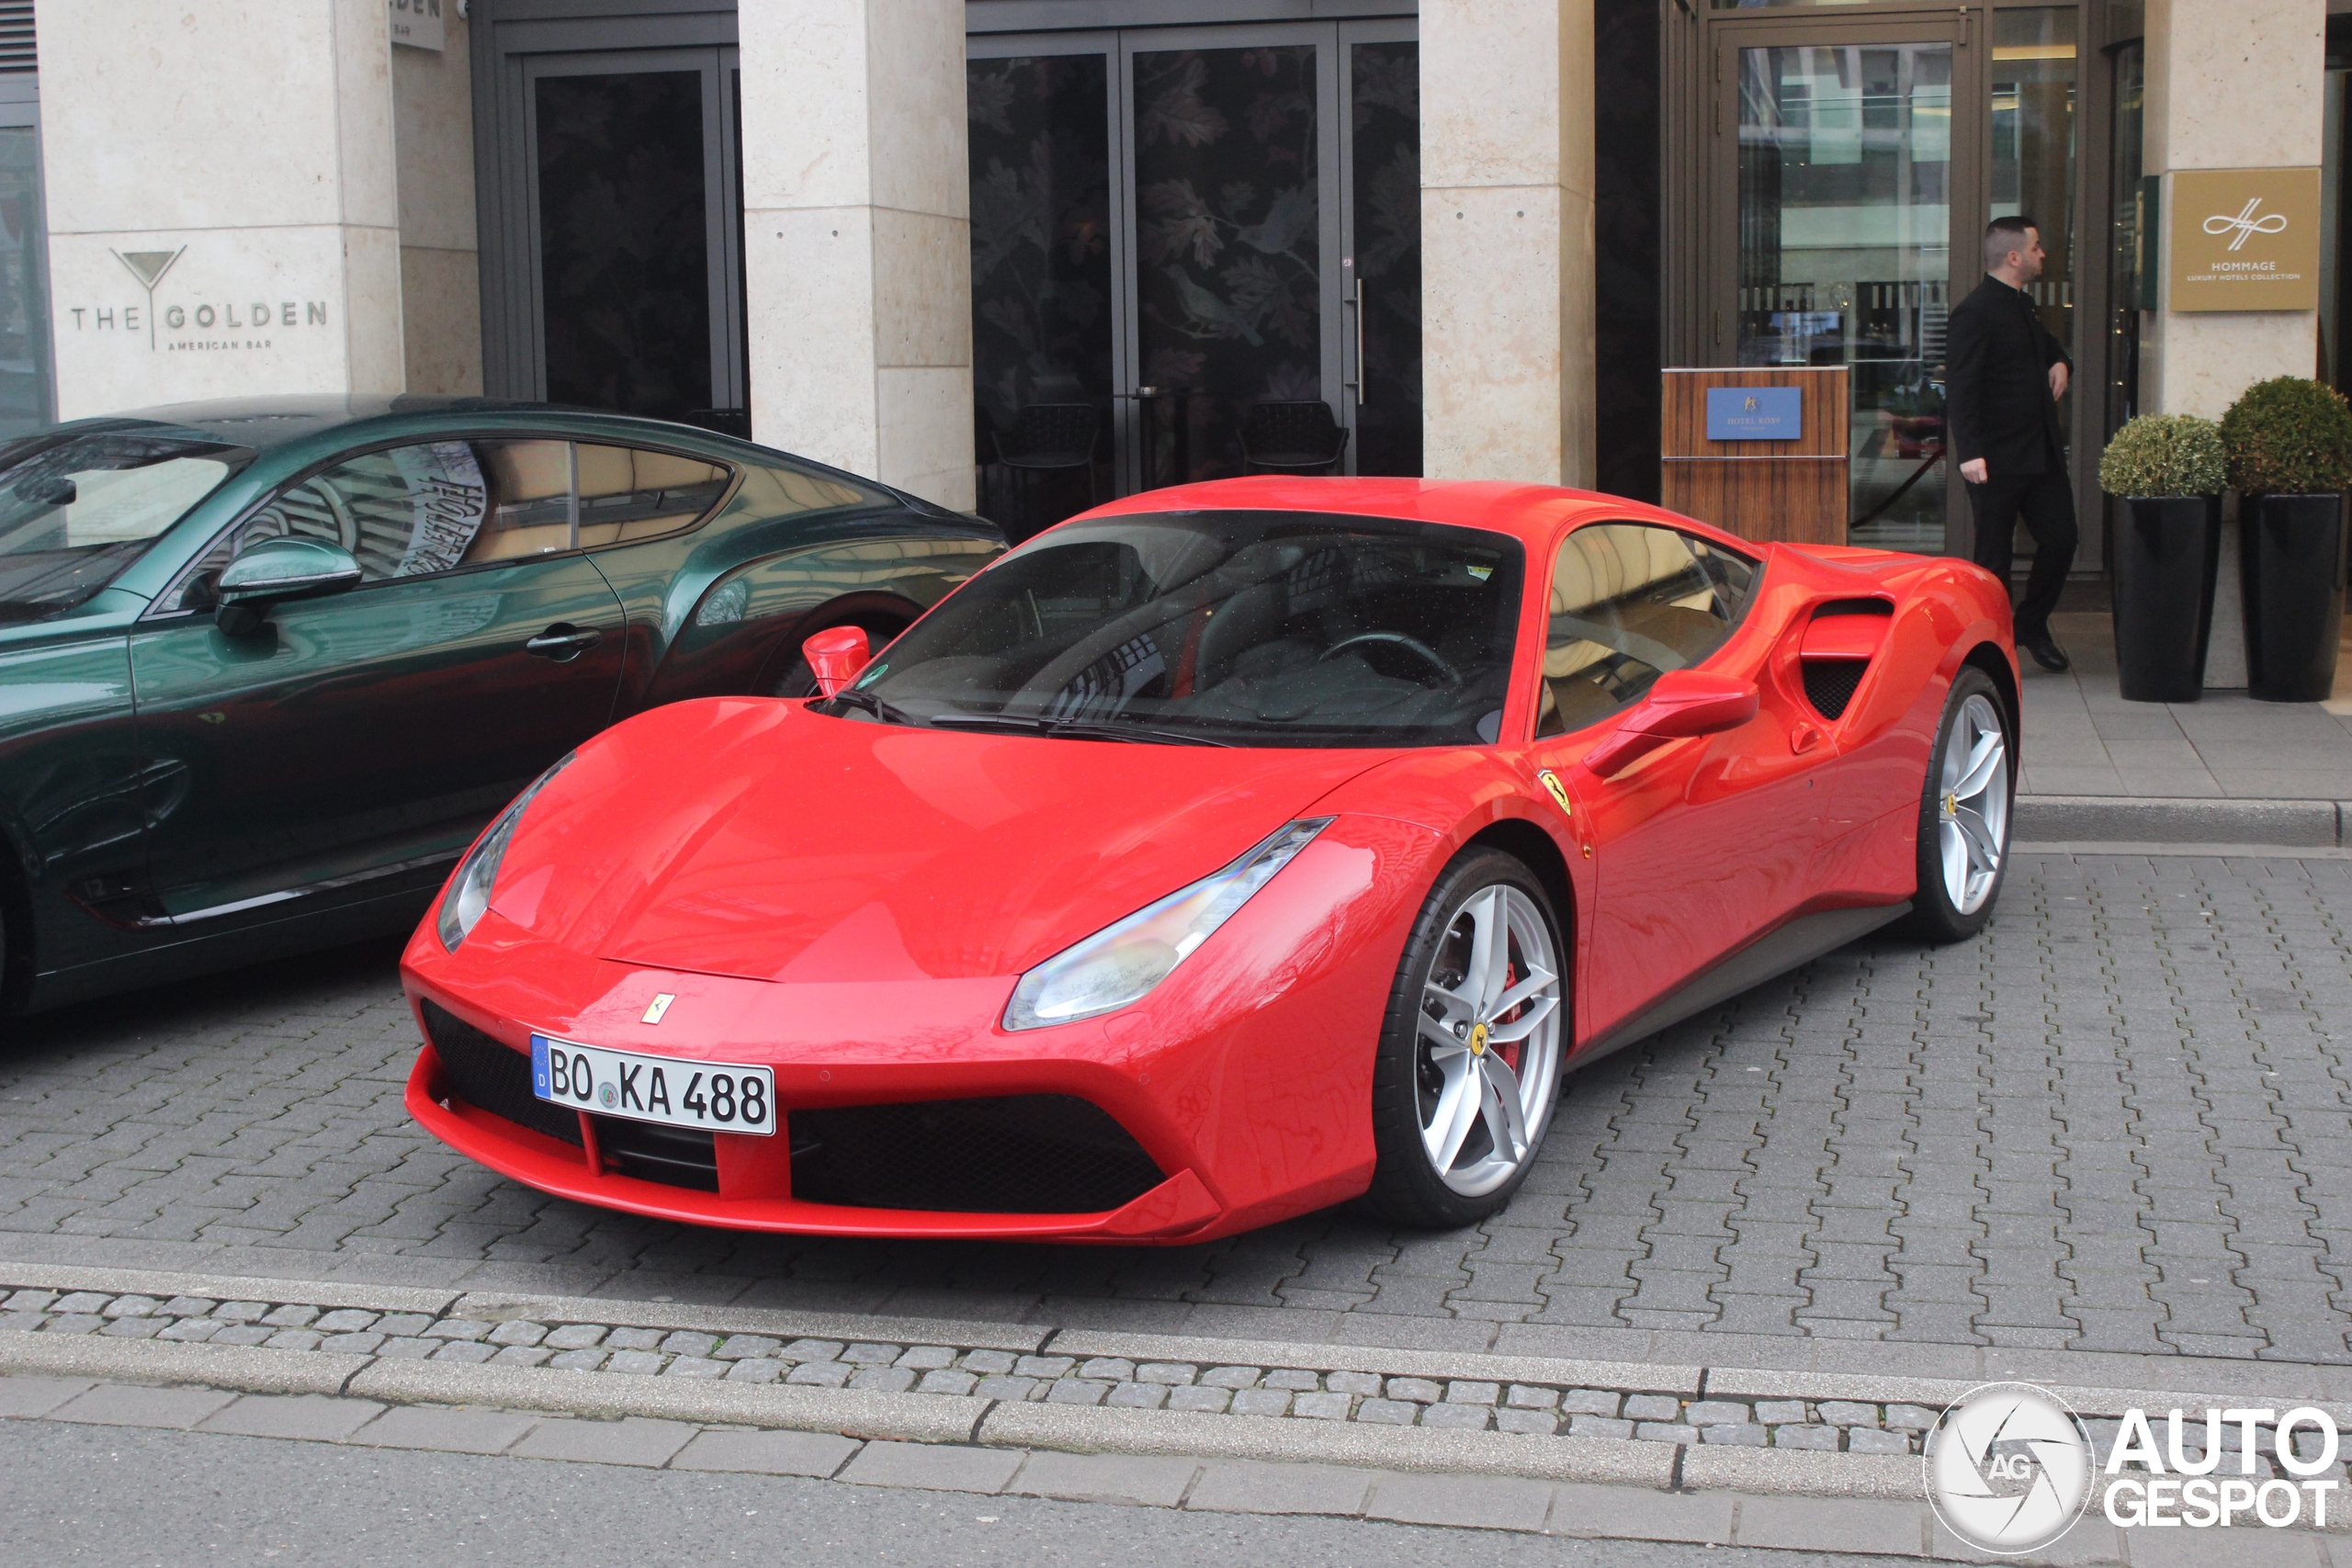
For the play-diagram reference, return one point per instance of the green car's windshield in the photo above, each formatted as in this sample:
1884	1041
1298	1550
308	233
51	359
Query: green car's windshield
1250	628
75	511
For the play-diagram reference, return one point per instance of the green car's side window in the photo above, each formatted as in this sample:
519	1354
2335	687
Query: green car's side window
436	505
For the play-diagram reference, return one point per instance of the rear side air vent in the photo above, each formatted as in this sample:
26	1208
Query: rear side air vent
1831	683
1839	643
16	37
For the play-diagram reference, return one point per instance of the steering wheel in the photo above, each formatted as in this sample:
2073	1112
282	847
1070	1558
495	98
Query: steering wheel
1413	646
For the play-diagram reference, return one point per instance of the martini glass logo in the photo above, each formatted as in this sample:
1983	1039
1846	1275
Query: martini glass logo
148	267
2009	1468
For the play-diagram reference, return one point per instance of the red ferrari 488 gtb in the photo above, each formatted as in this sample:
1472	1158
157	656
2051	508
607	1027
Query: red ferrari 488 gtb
1220	854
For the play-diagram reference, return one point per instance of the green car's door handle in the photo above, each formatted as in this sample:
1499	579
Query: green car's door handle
563	642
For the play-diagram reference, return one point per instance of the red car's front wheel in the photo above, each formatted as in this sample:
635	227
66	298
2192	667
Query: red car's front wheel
1469	1062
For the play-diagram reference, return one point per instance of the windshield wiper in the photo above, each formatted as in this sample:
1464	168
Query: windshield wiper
1072	729
889	713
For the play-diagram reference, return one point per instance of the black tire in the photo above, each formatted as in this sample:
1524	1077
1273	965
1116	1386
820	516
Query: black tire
1936	914
799	681
1406	1187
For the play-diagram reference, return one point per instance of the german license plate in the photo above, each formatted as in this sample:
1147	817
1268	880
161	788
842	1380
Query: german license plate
711	1097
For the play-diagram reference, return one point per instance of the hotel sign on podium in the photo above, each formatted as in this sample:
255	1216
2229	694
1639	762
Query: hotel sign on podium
1760	453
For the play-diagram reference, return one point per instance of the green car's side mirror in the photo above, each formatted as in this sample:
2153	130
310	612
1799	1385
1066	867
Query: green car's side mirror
278	570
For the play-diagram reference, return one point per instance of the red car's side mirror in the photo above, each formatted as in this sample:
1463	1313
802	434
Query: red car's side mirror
1683	703
835	656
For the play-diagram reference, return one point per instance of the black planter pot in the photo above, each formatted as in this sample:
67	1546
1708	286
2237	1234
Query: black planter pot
2293	562
2167	548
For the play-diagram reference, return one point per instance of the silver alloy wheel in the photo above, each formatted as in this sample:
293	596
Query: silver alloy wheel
1490	1058
1973	804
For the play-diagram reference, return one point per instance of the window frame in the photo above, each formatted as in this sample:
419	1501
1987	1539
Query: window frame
179	579
1543	617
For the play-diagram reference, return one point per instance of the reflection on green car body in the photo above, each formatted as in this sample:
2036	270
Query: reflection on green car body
268	667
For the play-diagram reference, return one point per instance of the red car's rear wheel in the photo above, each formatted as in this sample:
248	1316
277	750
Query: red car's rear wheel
1964	812
1469	1062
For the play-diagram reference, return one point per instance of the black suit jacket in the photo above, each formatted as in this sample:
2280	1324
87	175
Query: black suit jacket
1996	390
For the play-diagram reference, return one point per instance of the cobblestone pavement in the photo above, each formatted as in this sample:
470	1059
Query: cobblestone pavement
2116	1123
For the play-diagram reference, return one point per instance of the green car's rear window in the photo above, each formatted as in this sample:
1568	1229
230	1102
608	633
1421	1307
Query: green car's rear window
75	511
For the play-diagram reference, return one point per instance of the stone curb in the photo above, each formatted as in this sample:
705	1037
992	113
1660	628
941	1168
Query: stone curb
1768	1471
248	1368
1644	1376
229	1287
854	1413
1086	1429
2081	820
787	1323
1934	1394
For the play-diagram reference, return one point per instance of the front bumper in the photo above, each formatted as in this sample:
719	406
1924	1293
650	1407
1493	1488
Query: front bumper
753	1180
1233	1096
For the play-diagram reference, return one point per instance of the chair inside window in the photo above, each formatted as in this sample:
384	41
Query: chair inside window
1287	438
1050	438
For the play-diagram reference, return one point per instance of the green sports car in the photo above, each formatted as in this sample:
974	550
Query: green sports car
266	667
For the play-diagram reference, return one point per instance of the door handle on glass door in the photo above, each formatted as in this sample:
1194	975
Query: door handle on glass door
563	642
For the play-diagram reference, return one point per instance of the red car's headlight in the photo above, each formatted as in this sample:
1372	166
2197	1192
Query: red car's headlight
469	895
1120	963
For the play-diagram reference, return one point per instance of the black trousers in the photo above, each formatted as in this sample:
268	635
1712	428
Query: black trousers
2046	501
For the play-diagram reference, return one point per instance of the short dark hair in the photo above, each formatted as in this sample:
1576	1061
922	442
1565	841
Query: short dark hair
2003	235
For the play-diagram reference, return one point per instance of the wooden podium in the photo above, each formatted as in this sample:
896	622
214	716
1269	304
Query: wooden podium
1764	457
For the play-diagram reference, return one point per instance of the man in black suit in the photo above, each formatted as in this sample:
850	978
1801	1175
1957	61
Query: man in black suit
2001	394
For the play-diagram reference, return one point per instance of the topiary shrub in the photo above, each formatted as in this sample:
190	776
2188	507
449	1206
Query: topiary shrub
2289	437
2164	454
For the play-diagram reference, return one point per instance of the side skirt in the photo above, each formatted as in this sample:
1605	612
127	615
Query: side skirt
1800	940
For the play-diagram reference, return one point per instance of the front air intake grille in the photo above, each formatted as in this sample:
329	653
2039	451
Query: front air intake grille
493	1076
1020	1154
1831	683
675	1156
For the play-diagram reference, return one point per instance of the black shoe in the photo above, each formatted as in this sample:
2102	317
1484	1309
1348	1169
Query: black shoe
2046	651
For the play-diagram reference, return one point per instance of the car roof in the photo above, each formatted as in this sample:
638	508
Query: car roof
1530	513
264	423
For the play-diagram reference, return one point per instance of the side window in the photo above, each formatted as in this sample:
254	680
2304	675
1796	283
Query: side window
627	494
409	511
1631	601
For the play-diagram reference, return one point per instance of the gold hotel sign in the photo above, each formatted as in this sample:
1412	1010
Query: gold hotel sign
2244	240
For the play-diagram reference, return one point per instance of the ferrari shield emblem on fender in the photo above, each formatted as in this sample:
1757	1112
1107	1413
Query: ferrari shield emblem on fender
1557	790
661	1005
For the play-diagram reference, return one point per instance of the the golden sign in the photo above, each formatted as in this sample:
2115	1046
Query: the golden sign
2244	239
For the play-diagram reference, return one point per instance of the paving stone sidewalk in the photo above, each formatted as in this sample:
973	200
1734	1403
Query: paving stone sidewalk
2122	1121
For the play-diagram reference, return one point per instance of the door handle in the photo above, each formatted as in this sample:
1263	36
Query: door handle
563	642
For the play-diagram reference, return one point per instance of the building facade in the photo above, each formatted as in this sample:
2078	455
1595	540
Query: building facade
1100	238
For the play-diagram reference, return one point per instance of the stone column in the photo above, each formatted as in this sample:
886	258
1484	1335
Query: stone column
1507	234
2229	86
433	128
221	211
858	237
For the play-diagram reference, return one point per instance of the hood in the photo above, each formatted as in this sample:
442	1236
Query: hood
756	839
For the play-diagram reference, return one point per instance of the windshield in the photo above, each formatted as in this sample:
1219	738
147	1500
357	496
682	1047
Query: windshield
75	512
1253	628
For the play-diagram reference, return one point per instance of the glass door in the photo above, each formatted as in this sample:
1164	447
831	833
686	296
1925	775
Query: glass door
631	247
1842	190
1175	226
